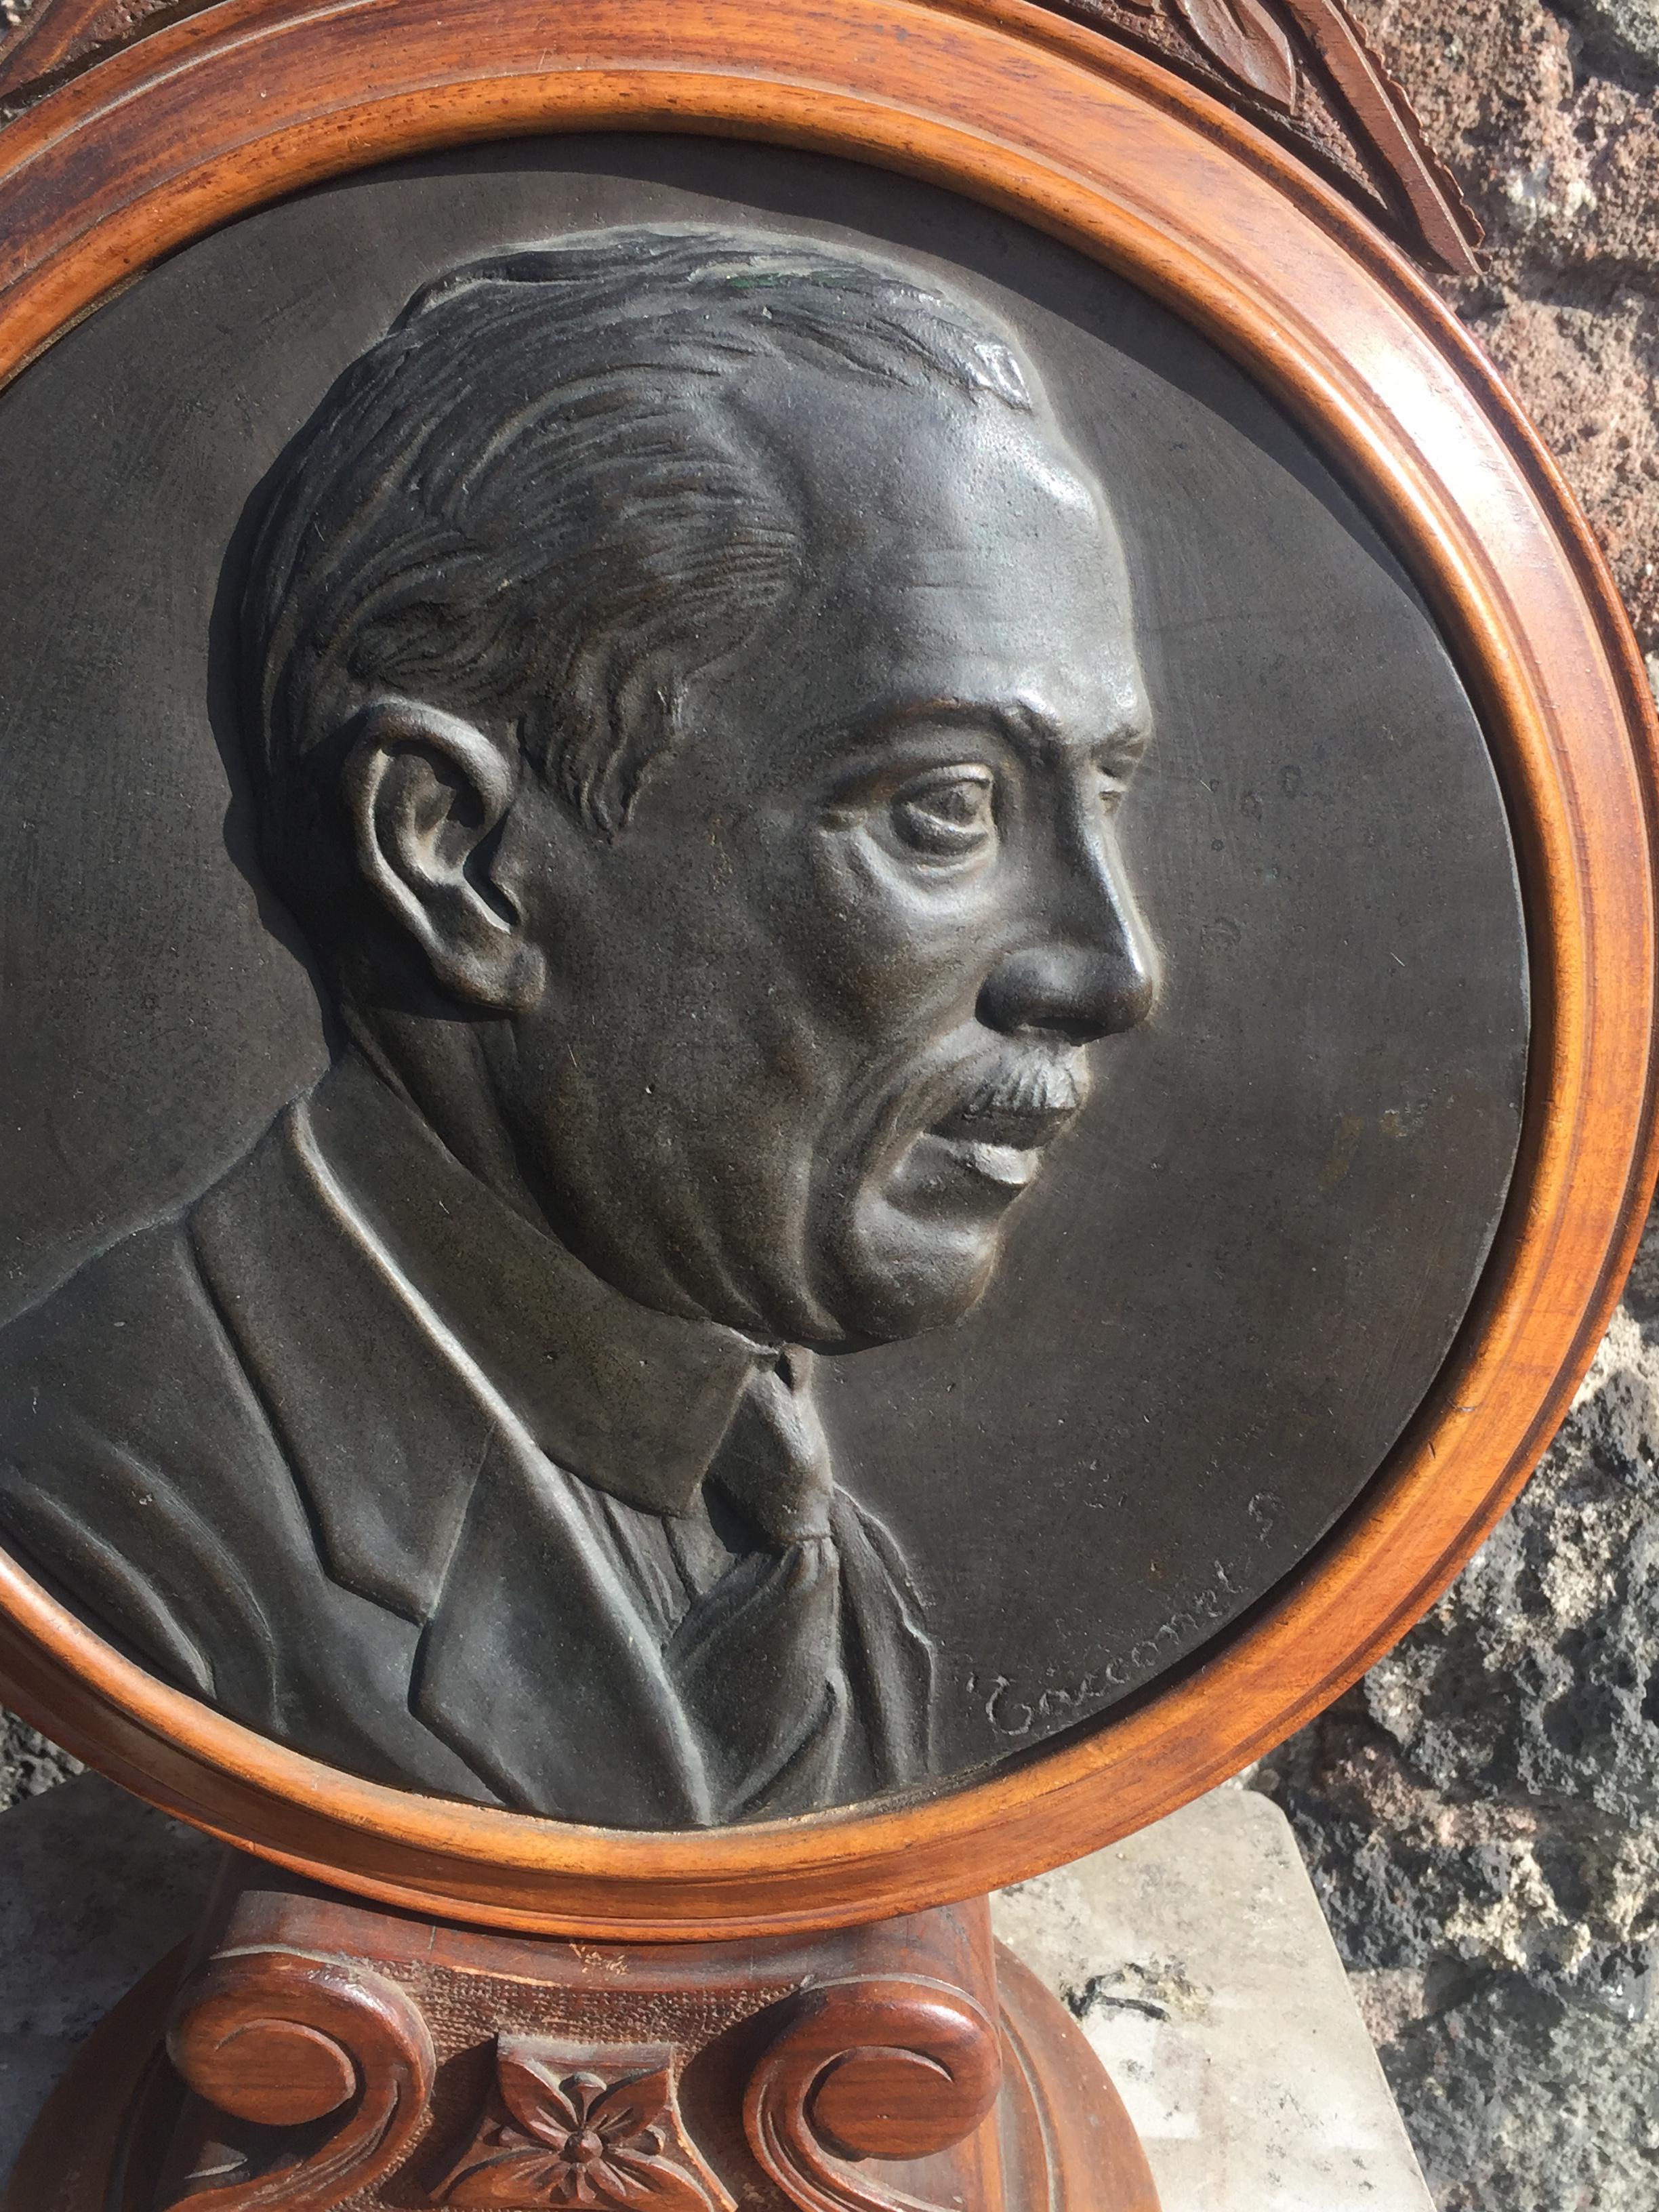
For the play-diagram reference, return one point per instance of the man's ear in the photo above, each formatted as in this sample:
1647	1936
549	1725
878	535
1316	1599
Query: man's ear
426	793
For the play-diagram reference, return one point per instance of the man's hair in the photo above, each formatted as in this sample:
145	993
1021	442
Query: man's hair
534	503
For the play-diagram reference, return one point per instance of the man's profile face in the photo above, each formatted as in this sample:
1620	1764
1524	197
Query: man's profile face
814	1016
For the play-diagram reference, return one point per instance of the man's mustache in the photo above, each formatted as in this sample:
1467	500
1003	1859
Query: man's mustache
1023	1100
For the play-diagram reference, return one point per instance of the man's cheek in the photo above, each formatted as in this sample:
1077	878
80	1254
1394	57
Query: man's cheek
884	971
867	923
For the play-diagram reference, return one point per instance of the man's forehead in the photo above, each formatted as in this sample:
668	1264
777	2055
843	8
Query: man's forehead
961	558
992	542
965	463
1047	676
964	496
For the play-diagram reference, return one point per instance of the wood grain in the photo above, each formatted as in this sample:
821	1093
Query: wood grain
1009	104
1317	88
909	2067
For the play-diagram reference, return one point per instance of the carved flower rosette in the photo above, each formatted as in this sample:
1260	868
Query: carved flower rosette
570	2127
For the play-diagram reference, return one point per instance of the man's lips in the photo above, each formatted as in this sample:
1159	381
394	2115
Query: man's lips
1010	1167
1003	1144
1019	1128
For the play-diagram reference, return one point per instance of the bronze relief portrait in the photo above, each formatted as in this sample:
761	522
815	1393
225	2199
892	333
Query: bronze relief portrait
727	751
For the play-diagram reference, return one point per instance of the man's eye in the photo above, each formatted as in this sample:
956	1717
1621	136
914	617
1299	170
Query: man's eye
947	817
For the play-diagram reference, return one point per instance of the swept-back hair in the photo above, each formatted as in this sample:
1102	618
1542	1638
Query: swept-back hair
535	502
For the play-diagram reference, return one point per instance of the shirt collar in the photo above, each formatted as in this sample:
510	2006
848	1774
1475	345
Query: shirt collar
634	1401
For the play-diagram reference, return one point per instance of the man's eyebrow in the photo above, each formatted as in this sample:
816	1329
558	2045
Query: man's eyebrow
1020	725
944	711
1122	747
1020	721
954	710
1128	746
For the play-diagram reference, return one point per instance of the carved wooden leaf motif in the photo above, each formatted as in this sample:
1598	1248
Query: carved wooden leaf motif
1243	38
557	2136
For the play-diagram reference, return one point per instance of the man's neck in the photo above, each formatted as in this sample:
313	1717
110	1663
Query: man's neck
634	1402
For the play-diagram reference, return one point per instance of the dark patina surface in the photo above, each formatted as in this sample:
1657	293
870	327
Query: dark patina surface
829	1248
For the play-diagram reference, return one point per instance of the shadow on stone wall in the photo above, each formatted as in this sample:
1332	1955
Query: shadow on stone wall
1482	1820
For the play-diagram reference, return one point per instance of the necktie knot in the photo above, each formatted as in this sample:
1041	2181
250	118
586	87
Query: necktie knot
775	1463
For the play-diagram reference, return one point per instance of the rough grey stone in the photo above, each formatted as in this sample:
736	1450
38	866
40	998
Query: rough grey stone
95	1887
28	1764
1554	139
1618	39
1481	1818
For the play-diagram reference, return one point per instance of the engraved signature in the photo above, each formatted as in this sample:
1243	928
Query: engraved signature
1011	1715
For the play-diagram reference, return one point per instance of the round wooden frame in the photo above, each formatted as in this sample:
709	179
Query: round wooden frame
1005	103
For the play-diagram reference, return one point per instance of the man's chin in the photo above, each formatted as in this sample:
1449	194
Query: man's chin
906	1285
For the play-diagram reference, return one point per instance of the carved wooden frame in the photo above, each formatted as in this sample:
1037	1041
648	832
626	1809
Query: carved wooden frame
223	109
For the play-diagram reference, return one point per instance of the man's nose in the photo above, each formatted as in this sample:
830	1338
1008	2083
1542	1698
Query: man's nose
1088	974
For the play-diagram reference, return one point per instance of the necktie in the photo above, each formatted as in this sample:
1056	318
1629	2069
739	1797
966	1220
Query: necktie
757	1662
801	1677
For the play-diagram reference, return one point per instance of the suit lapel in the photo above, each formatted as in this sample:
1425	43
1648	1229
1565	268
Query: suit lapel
535	1664
540	1667
384	1438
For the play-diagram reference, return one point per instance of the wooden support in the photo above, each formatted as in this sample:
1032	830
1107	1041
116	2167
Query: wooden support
314	2050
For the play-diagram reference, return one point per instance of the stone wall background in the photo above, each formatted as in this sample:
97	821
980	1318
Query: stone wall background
1481	1816
28	1764
1546	114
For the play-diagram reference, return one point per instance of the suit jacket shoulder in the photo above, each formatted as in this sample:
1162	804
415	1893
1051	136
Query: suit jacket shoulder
156	1413
122	1405
245	1445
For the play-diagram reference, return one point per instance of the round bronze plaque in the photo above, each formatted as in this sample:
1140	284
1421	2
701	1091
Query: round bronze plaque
828	948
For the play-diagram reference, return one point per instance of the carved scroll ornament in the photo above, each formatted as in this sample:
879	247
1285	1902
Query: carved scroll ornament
313	2075
313	2078
872	2068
